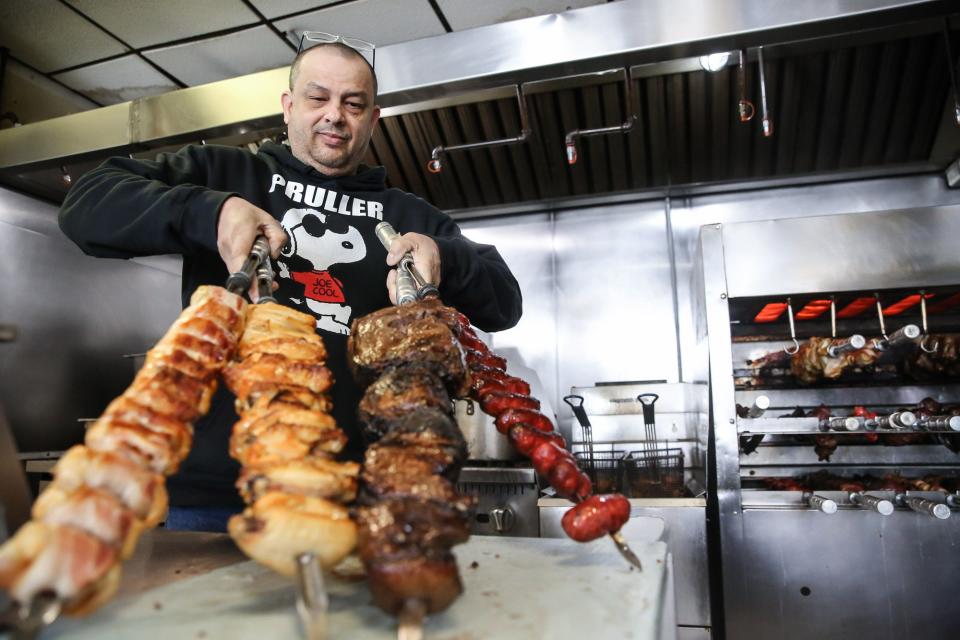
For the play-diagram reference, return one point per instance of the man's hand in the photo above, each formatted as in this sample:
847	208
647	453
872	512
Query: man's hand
239	225
426	258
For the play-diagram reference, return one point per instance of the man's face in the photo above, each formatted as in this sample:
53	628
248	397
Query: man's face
330	113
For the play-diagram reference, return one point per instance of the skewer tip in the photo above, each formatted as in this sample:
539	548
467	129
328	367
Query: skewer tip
411	620
625	550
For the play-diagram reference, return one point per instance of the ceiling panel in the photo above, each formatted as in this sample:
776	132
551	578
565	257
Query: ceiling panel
117	80
141	23
49	36
275	8
466	14
396	21
224	57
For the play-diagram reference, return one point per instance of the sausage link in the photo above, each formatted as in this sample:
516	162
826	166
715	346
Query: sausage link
485	359
497	402
528	417
596	516
525	438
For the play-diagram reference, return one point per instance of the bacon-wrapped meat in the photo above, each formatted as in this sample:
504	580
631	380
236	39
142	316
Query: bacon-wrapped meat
106	492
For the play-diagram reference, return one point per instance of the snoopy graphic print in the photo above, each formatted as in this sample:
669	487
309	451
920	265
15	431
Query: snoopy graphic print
319	241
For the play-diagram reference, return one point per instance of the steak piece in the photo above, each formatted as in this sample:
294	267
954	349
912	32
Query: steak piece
398	392
412	333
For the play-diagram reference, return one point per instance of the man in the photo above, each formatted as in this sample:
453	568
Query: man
318	207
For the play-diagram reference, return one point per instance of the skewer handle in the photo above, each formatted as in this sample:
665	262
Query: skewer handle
906	333
853	343
897	420
406	287
826	505
850	423
760	404
420	286
938	423
880	505
933	509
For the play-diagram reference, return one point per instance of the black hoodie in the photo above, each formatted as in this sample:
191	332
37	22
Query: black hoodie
334	268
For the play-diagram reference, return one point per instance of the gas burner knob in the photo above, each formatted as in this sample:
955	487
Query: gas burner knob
503	519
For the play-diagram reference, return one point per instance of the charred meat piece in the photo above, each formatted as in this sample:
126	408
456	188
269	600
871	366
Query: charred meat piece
398	392
399	335
427	426
943	362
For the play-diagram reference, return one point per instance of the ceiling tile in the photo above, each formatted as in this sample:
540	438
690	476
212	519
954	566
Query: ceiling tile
49	36
223	57
396	21
275	8
466	14
117	80
141	24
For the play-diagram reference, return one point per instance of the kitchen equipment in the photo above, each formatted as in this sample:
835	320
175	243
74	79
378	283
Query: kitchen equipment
602	466
843	457
653	473
506	499
679	423
484	442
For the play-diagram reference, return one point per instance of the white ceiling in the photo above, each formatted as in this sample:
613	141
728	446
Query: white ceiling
115	50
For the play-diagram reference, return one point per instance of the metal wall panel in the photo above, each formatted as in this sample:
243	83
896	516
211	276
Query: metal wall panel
598	302
798	587
614	298
526	245
75	317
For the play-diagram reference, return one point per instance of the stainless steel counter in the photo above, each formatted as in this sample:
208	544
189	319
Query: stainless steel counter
183	585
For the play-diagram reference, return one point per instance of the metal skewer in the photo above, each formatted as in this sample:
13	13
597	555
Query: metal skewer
257	265
903	335
896	420
826	505
933	509
758	407
29	619
312	600
939	423
411	620
849	423
853	343
421	286
880	505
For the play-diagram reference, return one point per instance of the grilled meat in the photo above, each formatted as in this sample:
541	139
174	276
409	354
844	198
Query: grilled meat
943	362
410	334
411	514
405	544
285	441
397	392
106	492
813	360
